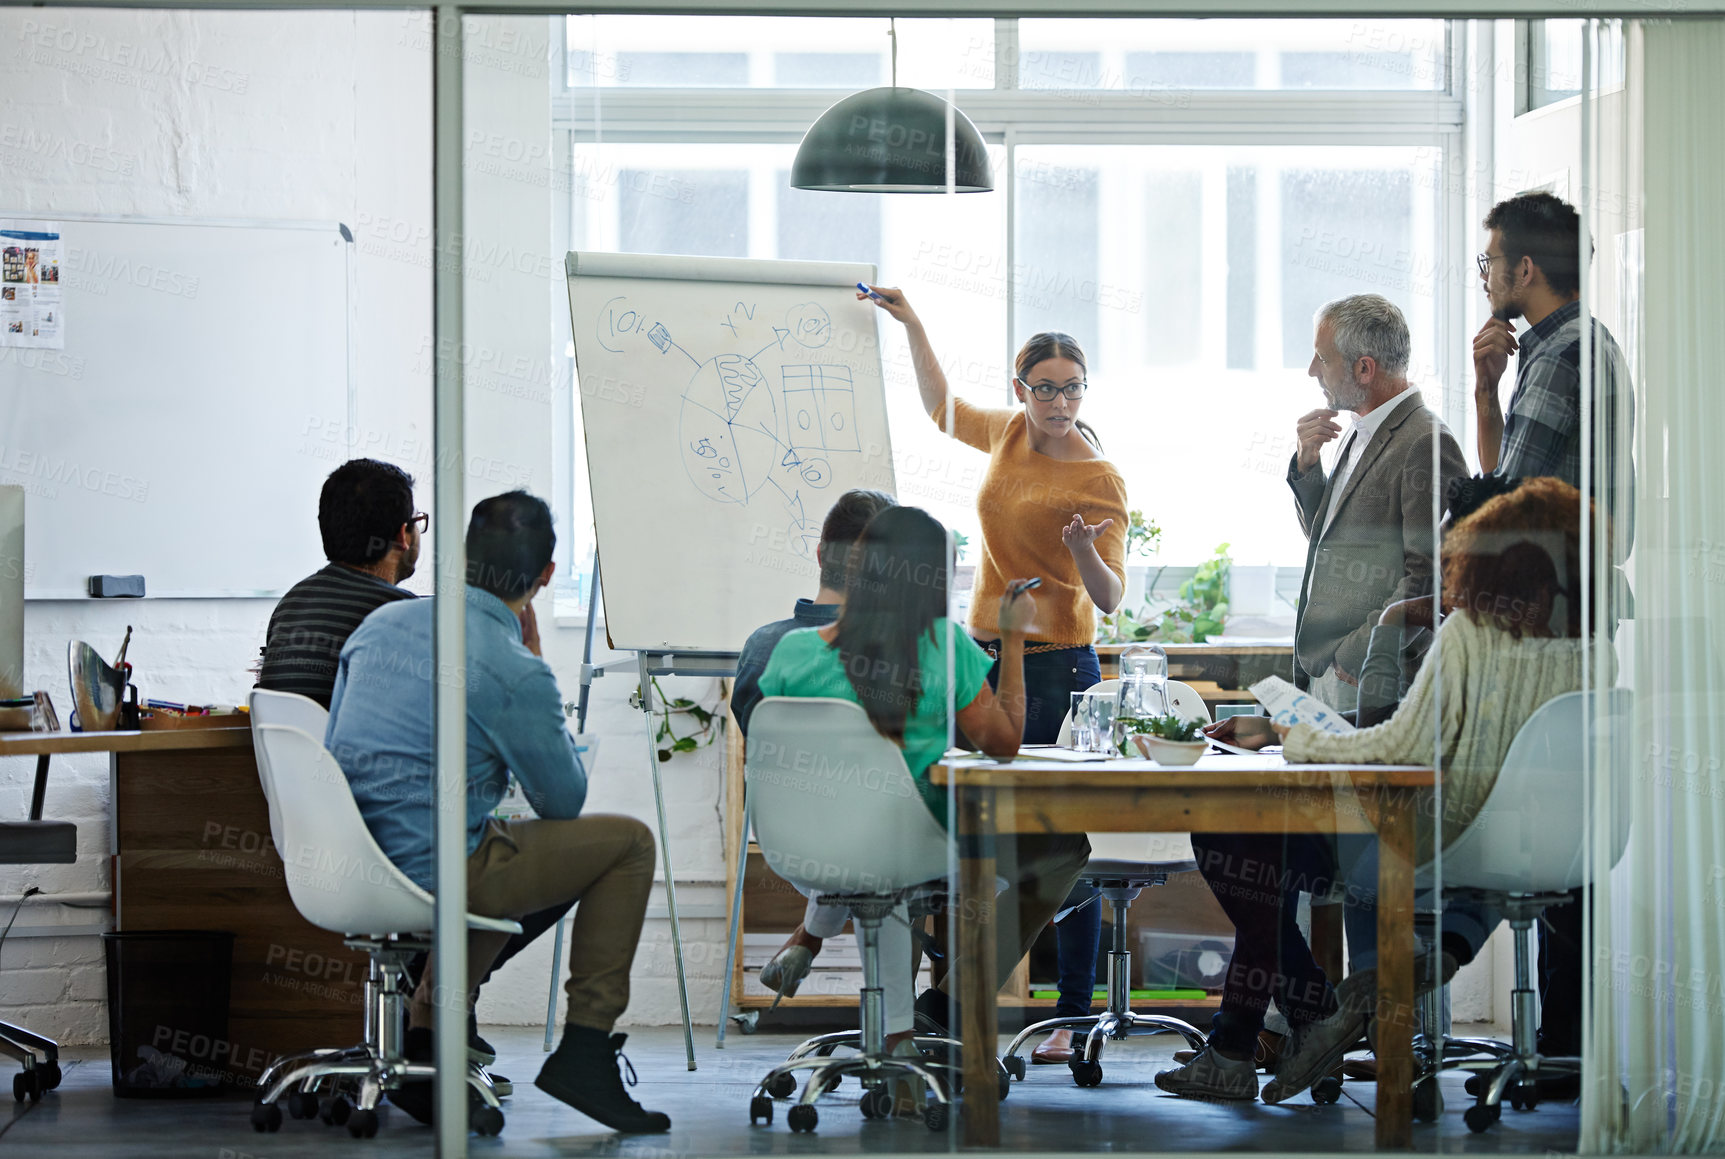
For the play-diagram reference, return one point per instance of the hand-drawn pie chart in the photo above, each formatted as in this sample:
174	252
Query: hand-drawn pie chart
728	429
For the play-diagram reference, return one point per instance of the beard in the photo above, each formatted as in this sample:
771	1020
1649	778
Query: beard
1349	397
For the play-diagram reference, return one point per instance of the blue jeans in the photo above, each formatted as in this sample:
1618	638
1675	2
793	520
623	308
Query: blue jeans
1465	918
1050	679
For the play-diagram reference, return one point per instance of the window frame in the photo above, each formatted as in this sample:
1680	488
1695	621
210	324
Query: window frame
1011	117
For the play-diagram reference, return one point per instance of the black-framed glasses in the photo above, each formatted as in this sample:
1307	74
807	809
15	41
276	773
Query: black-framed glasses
422	521
1045	391
1483	261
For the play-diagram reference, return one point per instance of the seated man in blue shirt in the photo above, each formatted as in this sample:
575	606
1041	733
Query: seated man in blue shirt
380	731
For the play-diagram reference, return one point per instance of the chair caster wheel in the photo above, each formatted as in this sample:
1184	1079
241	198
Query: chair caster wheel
802	1119
1428	1101
876	1103
337	1112
1478	1117
936	1116
26	1085
1523	1098
1326	1090
1005	1085
1014	1066
362	1124
760	1110
486	1120
50	1076
266	1117
1086	1074
781	1086
302	1105
1474	1085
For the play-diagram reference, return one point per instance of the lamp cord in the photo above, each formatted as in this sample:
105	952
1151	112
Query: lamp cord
892	35
28	894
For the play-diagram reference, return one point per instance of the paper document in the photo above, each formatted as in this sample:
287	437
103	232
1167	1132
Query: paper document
1267	750
1288	705
1054	752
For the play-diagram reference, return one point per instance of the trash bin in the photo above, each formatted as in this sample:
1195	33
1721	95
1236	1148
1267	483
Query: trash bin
168	1011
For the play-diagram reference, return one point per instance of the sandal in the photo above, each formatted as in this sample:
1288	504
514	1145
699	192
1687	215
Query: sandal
786	971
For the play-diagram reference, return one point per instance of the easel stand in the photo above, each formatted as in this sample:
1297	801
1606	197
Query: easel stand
648	664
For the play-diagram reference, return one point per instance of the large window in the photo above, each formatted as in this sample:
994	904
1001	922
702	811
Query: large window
1189	272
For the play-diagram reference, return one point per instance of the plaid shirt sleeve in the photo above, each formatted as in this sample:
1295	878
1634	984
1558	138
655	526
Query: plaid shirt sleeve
1542	432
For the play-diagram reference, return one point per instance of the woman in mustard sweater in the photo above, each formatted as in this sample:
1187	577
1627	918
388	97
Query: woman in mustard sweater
1050	506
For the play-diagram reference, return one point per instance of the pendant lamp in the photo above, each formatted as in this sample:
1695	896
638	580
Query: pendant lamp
892	140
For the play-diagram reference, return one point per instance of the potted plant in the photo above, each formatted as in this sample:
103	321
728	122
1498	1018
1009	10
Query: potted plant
1171	739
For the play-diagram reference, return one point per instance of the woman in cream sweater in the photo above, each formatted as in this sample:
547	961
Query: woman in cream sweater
1512	641
1053	507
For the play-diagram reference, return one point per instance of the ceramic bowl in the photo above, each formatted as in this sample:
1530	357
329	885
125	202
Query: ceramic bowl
1171	752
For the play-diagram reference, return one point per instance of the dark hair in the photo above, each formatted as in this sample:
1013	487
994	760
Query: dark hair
509	542
361	509
844	522
1053	344
1506	563
1468	493
1547	229
896	591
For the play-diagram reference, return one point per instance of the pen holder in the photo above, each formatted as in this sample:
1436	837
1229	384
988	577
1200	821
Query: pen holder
97	689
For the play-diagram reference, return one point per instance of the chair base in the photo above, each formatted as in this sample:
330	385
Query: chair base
1118	1020
354	1079
39	1075
1508	1070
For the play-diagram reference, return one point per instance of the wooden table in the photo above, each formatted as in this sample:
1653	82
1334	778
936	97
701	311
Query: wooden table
190	839
1220	794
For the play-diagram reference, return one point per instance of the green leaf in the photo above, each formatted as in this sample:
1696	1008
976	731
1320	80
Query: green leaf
664	754
685	744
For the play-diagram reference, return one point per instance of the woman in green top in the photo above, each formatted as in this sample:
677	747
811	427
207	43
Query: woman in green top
888	652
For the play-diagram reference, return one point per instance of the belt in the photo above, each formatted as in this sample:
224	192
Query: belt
992	647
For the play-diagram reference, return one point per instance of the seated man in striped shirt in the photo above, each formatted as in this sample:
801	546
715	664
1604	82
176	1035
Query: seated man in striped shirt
371	536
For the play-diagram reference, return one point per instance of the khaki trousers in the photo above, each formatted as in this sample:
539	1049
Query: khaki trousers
604	862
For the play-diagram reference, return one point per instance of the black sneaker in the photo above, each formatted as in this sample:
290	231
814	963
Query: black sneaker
936	1013
415	1097
583	1072
418	1046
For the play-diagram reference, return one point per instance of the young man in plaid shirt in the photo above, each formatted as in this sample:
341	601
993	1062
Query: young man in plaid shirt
1531	268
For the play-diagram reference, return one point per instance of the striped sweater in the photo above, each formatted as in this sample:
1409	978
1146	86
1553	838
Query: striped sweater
312	622
1488	683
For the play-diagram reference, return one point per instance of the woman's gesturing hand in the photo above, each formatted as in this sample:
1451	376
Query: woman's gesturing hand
1079	534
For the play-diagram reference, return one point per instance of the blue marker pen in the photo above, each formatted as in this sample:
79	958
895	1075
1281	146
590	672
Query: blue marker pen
864	289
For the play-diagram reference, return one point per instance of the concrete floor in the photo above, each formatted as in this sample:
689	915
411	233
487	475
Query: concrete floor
709	1112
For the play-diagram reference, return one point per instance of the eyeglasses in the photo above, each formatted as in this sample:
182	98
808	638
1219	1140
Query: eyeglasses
1045	391
422	521
1483	261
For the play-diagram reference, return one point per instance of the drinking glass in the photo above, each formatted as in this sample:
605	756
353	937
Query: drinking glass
1080	722
1100	708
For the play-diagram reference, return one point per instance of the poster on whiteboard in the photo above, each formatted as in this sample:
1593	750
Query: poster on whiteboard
31	306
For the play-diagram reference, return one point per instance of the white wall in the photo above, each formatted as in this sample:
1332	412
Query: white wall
323	116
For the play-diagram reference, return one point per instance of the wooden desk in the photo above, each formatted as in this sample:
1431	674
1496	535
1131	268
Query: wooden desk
1220	794
191	850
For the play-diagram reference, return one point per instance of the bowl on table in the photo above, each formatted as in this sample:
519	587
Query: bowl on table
1170	752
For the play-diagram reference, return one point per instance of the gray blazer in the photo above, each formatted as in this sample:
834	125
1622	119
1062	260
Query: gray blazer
1378	548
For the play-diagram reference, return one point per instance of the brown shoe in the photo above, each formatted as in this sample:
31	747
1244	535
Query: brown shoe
1056	1049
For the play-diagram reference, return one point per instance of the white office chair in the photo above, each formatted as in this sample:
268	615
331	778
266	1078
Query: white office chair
1121	866
1523	852
294	711
341	881
835	810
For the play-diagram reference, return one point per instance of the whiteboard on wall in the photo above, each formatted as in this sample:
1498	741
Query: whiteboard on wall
725	403
203	394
